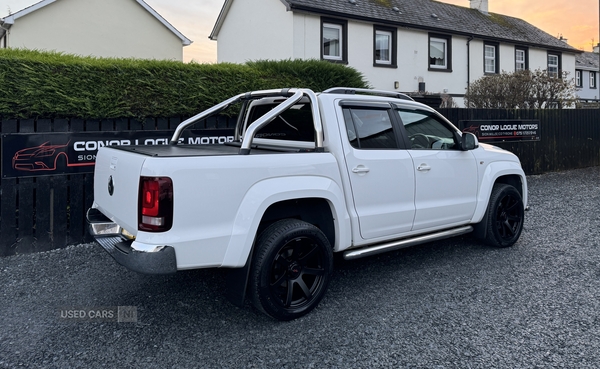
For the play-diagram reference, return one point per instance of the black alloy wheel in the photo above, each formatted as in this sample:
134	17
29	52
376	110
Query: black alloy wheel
291	269
505	216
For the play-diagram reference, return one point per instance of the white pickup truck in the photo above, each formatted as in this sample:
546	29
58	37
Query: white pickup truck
307	175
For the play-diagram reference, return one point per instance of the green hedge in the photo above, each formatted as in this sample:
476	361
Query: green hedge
49	84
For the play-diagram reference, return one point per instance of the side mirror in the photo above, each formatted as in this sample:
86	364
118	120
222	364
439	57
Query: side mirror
468	141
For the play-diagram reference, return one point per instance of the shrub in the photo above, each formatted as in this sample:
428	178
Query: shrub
521	90
51	84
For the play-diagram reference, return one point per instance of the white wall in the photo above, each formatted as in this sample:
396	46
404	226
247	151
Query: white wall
103	28
256	30
585	92
307	29
412	61
298	36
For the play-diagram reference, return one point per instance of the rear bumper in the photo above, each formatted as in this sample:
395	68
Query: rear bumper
157	260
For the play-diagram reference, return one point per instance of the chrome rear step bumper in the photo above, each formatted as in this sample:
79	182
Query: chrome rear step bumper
160	260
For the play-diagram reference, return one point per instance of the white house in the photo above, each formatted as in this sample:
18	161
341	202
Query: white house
398	45
586	76
102	28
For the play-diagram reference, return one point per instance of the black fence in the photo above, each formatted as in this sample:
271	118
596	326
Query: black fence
40	213
570	138
48	212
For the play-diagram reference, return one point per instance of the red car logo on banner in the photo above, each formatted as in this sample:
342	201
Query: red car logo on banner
42	157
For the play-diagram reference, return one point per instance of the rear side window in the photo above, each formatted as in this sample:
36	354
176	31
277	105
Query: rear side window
294	124
370	128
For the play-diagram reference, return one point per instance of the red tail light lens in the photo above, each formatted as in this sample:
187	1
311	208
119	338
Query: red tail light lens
155	204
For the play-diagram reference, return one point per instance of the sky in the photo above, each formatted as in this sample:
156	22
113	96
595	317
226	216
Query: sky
575	20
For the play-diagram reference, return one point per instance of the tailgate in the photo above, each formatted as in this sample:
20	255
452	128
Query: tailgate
116	186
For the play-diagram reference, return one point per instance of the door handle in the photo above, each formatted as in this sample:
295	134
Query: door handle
360	169
423	168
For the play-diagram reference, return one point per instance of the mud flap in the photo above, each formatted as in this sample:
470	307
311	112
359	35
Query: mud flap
236	283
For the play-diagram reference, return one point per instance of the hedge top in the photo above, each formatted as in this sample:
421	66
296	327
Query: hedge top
51	84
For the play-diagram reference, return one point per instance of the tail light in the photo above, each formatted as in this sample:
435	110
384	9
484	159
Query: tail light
155	204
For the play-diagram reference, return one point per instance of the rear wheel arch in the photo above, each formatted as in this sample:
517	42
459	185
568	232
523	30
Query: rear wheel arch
313	210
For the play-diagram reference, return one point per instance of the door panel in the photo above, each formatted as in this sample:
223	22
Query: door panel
445	176
446	192
381	175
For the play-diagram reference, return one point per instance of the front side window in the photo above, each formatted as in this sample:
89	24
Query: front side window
592	79
370	128
520	60
578	78
426	131
490	58
384	44
553	66
439	53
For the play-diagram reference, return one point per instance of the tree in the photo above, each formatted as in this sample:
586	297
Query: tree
522	90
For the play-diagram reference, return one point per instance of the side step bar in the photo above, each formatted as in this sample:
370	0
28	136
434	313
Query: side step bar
407	242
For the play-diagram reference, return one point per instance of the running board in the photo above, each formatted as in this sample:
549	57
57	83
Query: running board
407	242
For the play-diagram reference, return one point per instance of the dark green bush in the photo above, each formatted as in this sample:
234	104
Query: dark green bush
50	84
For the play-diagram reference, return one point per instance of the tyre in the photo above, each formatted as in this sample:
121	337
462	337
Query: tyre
291	269
504	217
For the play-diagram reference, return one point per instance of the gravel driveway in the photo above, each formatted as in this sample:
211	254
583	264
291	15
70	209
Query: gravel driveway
448	304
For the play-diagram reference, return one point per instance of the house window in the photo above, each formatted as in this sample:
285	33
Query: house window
553	65
578	78
384	47
592	79
440	53
334	40
521	62
490	56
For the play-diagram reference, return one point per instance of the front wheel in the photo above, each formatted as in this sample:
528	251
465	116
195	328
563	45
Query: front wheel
291	269
505	216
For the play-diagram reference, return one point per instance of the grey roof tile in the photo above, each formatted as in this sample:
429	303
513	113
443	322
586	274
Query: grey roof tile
587	60
450	19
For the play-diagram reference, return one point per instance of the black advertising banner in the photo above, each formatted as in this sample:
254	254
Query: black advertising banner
502	130
37	154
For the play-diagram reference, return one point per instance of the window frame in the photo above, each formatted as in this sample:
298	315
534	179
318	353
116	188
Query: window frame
496	58
525	62
342	26
578	78
447	39
558	64
593	80
393	33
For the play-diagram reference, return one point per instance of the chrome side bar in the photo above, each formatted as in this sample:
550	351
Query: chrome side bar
266	119
205	114
407	242
293	94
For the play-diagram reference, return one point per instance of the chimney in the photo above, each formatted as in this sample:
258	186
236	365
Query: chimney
597	48
481	5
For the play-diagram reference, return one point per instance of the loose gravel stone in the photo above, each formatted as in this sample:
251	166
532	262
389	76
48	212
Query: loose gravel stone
448	304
